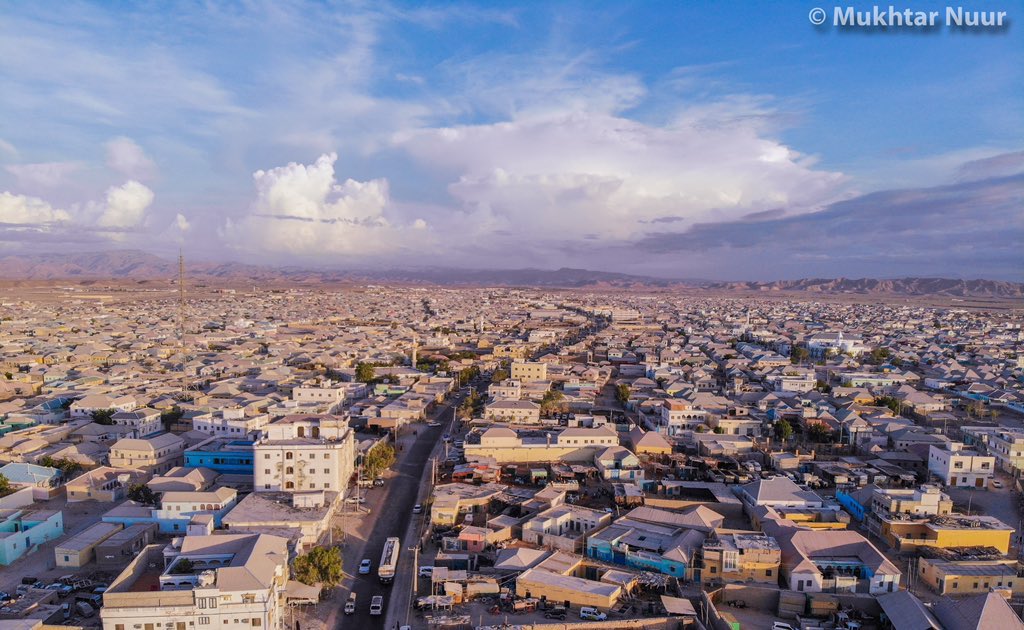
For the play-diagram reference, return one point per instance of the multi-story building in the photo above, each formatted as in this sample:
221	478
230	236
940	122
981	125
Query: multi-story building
505	445
678	416
155	455
968	570
529	371
305	452
740	558
21	530
835	342
907	534
957	465
1007	446
224	455
230	422
791	380
564	527
333	394
508	389
143	422
521	411
201	581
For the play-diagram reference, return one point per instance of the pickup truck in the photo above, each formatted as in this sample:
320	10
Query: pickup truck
350	605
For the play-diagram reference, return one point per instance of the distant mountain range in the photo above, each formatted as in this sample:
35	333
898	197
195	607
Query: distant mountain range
138	265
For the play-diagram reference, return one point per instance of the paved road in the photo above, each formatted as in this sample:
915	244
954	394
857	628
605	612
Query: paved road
390	516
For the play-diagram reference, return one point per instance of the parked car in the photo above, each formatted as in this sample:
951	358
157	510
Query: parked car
433	425
84	609
426	571
350	605
998	485
378	482
29	581
558	612
417	509
781	625
377	605
364	566
592	614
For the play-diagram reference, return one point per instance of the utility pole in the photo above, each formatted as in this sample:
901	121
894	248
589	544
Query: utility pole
181	326
415	549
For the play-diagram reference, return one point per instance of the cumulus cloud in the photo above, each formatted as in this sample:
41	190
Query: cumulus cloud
43	174
303	210
125	156
595	175
25	211
125	206
7	149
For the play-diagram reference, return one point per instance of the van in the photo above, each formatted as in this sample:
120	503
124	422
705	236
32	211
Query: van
84	609
592	614
377	605
350	605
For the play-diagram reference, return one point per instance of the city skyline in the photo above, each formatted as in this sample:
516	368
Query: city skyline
690	141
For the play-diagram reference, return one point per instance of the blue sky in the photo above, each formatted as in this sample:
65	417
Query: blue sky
506	135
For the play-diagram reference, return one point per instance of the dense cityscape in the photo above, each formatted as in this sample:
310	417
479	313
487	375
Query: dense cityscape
431	457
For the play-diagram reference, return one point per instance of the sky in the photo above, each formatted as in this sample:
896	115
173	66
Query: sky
716	140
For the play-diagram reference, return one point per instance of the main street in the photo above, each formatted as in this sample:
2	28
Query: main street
390	515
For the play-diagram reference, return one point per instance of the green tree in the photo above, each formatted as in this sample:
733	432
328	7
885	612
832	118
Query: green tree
819	433
9	376
499	375
5	486
67	467
364	372
622	393
103	416
379	459
879	355
783	429
891	402
823	387
321	565
551	401
169	416
799	354
701	428
183	567
142	493
717	430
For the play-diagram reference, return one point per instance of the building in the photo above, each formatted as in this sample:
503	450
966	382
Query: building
618	463
560	578
303	517
104	484
957	465
155	455
515	411
650	539
201	581
229	456
79	550
185	505
778	492
835	343
969	571
907	534
231	423
143	421
1007	446
118	550
740	558
527	371
563	527
21	530
679	416
84	407
305	452
503	446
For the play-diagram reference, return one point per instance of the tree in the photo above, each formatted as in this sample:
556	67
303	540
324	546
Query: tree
9	376
103	416
701	428
799	354
321	565
894	404
718	430
364	372
67	467
551	401
169	416
878	355
378	459
783	429
5	486
141	493
622	393
499	375
183	567
819	433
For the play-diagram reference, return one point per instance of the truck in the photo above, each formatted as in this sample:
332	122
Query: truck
389	560
350	605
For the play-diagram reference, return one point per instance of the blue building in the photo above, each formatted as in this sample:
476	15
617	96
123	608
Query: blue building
856	502
646	546
224	455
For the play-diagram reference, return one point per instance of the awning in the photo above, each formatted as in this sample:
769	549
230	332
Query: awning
678	606
299	593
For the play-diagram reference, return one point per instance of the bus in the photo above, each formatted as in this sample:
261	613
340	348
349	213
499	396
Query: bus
388	561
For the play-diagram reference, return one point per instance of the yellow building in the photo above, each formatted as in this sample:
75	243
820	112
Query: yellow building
529	371
741	558
560	579
953	530
969	571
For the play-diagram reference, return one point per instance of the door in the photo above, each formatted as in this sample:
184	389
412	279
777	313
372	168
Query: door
979	483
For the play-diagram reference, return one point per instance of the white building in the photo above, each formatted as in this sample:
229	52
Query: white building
959	466
305	452
84	407
231	422
143	422
333	394
197	582
822	343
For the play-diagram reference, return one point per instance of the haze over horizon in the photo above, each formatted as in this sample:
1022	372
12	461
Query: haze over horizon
672	140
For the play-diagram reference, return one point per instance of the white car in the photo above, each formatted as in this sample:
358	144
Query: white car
426	571
781	625
377	605
417	509
998	485
364	567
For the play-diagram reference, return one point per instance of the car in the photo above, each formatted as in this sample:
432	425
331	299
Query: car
446	437
378	482
781	625
426	571
350	605
433	425
459	444
998	485
377	605
592	614
558	612
364	566
417	509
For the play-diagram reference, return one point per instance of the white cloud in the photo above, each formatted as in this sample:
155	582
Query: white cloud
125	206
8	149
594	175
43	174
22	210
125	156
302	210
181	223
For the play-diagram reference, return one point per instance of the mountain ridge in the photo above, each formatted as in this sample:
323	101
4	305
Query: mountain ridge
139	265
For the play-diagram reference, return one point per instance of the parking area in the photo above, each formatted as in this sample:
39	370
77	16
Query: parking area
1002	503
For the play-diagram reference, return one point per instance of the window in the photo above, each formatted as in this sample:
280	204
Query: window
257	622
767	572
266	471
289	455
118	626
266	456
